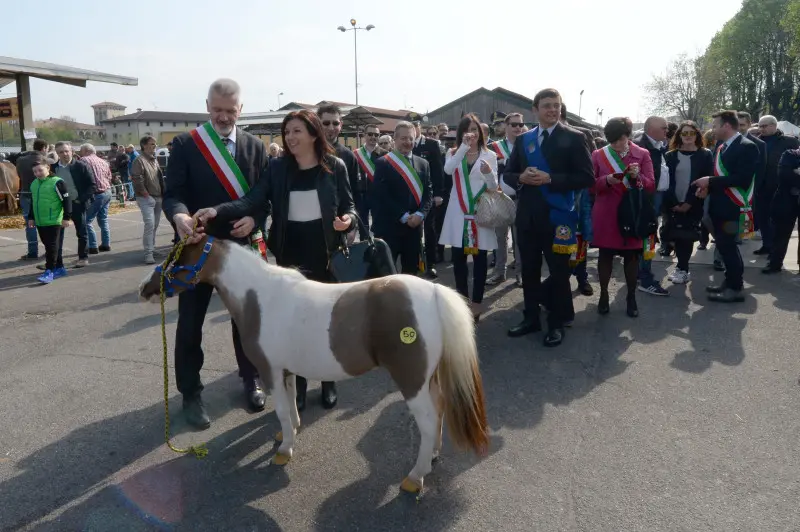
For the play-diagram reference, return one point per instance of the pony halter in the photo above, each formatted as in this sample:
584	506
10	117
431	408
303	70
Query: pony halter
171	282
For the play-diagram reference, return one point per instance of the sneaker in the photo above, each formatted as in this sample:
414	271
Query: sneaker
679	277
495	280
82	263
59	272
46	277
654	289
149	259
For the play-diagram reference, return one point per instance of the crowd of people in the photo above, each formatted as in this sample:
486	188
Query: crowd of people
619	191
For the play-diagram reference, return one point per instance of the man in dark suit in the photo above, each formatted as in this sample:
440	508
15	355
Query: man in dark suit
366	156
428	149
331	117
402	198
735	163
192	185
546	198
745	123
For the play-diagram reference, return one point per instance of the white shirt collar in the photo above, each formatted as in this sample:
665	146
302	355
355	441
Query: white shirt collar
730	140
370	150
657	144
549	130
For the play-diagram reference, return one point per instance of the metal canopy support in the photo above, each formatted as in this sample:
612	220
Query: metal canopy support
25	110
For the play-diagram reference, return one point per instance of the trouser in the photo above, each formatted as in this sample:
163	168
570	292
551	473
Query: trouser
536	243
51	236
725	234
580	273
501	255
683	249
762	211
151	215
406	244
79	219
439	224
646	277
480	266
30	232
432	235
192	308
784	224
362	209
99	209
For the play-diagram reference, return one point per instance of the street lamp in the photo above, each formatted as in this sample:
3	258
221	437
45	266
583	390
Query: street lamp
355	29
600	114
279	99
580	105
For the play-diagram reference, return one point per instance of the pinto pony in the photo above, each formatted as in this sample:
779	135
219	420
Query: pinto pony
422	333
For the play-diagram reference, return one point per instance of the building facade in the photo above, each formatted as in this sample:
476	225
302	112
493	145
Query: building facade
106	110
164	126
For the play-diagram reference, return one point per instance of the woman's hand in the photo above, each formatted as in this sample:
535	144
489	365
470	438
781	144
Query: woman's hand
342	223
485	168
611	180
470	139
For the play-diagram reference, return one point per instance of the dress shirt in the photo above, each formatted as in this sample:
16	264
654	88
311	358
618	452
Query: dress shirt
549	132
405	217
232	144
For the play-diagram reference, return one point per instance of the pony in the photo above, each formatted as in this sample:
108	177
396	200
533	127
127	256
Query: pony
9	188
422	333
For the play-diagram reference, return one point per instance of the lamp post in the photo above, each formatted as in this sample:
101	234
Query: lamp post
279	99
580	105
600	114
355	29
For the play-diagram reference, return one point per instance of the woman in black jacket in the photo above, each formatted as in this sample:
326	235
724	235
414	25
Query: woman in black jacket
687	161
308	193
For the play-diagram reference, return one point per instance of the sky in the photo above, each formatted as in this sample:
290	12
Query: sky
421	55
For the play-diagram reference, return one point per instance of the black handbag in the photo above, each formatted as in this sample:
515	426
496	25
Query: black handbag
367	259
679	226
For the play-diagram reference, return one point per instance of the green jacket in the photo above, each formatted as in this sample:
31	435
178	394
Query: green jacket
48	197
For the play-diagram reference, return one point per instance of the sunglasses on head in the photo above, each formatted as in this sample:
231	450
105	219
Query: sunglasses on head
326	123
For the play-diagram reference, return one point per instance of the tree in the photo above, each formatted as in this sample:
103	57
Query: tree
687	89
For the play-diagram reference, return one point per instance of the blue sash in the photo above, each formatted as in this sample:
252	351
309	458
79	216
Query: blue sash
563	215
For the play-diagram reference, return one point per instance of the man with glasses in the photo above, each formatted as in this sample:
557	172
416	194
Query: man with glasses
745	124
331	117
428	149
366	156
503	148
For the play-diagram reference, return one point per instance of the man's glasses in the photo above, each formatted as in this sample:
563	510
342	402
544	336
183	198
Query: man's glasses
327	123
516	124
372	134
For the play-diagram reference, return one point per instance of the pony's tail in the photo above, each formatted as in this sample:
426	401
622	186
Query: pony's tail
458	374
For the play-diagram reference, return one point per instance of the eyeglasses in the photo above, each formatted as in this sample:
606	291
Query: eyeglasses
516	124
336	123
688	133
372	134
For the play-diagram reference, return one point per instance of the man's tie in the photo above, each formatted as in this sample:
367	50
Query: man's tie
545	136
227	142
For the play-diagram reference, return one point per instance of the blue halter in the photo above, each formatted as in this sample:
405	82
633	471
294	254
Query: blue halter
170	282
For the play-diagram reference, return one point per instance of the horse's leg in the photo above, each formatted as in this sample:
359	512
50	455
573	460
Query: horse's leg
282	410
424	411
438	400
291	390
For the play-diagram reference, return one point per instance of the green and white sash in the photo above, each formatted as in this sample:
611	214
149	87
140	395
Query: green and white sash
501	149
401	163
467	201
227	171
365	162
743	198
614	163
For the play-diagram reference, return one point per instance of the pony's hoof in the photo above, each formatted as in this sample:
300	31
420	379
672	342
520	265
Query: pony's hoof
281	459
410	486
279	436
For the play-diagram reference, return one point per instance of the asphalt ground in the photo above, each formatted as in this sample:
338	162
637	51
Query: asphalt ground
685	419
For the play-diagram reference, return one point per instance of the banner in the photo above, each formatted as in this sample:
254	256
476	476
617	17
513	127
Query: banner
9	109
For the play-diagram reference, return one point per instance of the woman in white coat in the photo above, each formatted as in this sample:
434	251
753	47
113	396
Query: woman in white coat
474	169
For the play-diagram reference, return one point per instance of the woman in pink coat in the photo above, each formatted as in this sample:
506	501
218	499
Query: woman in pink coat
617	167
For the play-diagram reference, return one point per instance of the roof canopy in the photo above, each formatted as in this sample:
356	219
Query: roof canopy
11	67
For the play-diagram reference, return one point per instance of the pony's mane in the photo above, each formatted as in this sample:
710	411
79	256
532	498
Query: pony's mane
245	255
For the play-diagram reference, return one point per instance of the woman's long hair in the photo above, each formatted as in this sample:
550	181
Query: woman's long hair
676	143
322	149
463	126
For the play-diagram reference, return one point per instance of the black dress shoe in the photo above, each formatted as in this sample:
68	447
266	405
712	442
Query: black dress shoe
632	309
526	326
432	273
302	385
104	248
771	269
586	289
93	251
702	247
603	306
256	397
728	295
329	397
761	251
554	337
715	289
195	412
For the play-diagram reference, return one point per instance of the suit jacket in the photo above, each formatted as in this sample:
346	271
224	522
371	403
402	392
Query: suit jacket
775	148
741	161
363	181
83	178
391	198
590	144
271	194
351	165
761	169
429	150
570	169
193	185
702	164
656	155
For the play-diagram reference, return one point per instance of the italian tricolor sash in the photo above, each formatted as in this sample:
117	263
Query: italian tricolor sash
401	163
365	162
467	200
227	171
614	163
579	255
501	148
743	198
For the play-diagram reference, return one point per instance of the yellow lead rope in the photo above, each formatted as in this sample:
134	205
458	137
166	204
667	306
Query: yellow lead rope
198	451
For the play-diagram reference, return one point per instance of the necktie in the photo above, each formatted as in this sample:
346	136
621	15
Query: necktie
545	136
227	142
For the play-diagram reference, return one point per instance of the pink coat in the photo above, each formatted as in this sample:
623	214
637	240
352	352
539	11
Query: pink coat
608	198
